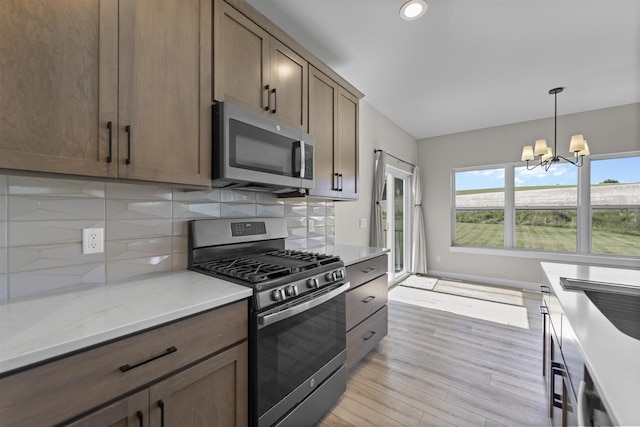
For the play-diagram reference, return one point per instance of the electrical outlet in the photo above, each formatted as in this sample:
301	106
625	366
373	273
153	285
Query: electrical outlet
311	226
438	258
92	240
363	223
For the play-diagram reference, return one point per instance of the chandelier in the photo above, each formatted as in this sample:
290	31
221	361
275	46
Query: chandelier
547	156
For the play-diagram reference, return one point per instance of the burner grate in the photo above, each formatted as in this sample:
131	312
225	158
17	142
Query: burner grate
246	269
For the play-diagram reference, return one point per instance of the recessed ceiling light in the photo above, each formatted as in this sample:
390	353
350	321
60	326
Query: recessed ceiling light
413	9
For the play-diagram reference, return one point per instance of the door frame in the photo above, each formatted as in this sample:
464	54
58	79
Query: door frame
406	177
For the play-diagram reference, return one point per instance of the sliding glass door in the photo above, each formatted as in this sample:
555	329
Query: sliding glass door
397	222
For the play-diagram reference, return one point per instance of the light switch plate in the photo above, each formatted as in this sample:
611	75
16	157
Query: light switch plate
363	222
92	240
311	226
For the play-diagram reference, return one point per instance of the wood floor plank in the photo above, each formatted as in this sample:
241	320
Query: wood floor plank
439	368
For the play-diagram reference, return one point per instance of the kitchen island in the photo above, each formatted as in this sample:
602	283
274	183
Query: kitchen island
611	357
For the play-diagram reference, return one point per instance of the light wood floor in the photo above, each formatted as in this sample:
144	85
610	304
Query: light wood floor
436	368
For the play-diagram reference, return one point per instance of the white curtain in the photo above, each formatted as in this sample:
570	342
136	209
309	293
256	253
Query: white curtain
419	240
377	236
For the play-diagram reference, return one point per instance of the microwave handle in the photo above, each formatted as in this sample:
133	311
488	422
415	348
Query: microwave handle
299	146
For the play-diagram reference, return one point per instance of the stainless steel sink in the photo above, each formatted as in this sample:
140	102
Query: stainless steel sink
618	302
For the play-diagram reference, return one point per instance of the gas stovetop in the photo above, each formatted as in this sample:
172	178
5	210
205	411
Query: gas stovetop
251	252
268	266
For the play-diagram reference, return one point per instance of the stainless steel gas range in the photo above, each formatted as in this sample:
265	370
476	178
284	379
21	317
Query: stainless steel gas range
297	339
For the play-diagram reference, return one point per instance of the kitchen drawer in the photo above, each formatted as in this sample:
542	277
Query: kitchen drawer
573	362
365	300
367	270
58	390
365	336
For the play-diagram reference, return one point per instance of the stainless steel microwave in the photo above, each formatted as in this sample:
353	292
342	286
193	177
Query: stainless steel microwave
257	153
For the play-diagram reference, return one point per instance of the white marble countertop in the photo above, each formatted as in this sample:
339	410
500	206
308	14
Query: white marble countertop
612	357
352	254
34	330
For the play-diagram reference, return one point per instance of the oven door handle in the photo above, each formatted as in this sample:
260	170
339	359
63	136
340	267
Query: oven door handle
269	319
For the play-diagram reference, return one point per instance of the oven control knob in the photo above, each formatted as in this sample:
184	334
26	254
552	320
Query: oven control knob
331	276
277	295
313	283
291	291
340	274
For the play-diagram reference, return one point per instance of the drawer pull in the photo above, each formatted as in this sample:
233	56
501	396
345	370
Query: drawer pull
544	289
543	309
140	418
369	336
368	299
369	270
125	368
161	406
110	127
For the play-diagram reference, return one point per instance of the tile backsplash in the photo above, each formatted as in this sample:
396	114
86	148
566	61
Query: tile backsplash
41	222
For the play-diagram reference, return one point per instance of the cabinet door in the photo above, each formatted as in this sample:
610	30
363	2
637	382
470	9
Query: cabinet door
323	116
132	411
347	150
211	393
165	90
58	85
289	86
241	59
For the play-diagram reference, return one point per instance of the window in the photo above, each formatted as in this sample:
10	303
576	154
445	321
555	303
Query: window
590	210
479	207
615	206
546	208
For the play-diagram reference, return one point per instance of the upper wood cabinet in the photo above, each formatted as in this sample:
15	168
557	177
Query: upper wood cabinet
107	88
256	71
333	122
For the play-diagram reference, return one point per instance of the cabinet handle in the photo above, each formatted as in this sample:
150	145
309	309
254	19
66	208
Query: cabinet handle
543	310
140	418
335	181
110	127
368	270
127	129
268	107
544	289
125	368
556	399
368	299
275	101
161	406
369	336
340	182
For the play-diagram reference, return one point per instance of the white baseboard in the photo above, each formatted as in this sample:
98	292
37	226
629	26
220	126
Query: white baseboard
516	284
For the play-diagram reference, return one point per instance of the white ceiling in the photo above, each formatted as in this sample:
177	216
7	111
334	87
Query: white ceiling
471	64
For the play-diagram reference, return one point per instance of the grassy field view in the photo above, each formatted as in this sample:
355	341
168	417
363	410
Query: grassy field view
614	231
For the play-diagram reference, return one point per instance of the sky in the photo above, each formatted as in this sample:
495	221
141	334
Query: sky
625	170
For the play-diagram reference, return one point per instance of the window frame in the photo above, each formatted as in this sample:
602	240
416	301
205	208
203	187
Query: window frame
583	251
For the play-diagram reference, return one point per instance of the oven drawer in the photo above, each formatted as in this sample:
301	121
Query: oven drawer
365	300
367	270
66	387
364	337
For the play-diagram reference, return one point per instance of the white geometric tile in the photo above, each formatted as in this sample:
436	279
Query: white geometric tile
331	240
39	208
126	191
138	229
4	260
3	207
316	242
318	231
297	233
296	244
3	184
34	282
180	245
296	221
237	210
138	248
179	262
3	234
269	211
180	227
195	210
295	210
213	195
126	269
236	196
54	187
31	258
123	209
268	198
34	233
295	202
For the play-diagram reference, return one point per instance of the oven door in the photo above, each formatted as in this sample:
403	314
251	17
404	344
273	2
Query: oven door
296	348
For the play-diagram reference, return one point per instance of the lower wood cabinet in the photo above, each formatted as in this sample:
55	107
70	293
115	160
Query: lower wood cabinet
366	307
192	372
211	393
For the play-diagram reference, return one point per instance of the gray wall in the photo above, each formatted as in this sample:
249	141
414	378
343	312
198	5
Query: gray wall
41	222
610	130
376	132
